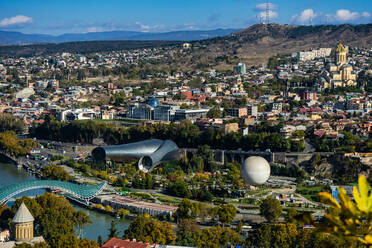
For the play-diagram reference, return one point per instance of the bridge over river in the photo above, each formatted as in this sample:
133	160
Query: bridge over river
81	193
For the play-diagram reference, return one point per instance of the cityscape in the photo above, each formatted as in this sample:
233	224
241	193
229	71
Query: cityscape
201	125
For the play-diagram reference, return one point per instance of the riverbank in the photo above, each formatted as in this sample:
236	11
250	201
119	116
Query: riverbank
100	222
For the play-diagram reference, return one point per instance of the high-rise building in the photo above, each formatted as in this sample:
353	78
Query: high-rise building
252	110
236	112
240	69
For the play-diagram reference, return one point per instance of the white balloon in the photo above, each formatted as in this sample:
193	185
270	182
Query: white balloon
255	170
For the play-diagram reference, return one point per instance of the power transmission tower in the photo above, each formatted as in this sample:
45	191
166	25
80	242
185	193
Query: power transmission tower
267	12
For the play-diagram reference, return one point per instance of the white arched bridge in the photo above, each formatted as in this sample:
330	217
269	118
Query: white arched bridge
83	193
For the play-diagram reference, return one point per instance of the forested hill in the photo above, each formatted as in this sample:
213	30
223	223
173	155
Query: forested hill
79	47
12	38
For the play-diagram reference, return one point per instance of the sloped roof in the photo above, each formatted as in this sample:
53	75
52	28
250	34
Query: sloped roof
23	215
119	243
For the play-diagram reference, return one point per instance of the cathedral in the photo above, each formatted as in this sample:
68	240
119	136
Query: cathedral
23	229
340	74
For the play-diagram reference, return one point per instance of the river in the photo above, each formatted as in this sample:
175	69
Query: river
9	174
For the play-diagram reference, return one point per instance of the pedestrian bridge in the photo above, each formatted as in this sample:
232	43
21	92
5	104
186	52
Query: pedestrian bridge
83	193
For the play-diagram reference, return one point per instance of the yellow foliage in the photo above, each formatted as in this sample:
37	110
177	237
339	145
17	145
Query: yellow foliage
108	208
350	220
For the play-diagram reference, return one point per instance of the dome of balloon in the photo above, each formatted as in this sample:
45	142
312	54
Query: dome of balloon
255	170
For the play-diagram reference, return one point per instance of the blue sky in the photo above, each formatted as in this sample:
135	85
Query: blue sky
81	16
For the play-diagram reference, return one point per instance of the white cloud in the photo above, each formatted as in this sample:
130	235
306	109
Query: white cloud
366	14
15	21
272	15
263	6
94	29
343	15
143	28
306	16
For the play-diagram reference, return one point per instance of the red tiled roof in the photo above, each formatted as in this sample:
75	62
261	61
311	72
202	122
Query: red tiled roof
319	133
119	243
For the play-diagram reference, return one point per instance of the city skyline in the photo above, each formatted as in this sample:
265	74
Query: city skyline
162	16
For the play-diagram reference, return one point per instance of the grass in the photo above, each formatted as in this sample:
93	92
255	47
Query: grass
165	198
310	192
139	195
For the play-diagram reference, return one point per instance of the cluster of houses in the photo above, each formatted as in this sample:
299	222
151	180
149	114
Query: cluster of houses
179	100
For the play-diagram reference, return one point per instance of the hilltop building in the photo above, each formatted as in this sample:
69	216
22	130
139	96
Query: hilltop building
313	54
340	74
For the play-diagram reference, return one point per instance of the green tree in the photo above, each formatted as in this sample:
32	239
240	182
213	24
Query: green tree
274	235
113	231
99	240
188	209
214	112
270	209
188	232
179	189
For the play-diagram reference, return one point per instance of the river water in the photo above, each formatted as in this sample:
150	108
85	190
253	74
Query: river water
9	174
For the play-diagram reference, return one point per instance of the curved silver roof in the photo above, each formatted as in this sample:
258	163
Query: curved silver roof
23	215
149	152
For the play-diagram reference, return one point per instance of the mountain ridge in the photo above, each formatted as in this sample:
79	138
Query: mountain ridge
18	38
252	45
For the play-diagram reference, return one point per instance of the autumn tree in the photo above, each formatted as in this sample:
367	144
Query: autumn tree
218	236
55	219
9	122
56	172
123	212
225	213
150	231
349	220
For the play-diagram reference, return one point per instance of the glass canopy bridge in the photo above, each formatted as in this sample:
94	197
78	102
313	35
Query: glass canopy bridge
82	193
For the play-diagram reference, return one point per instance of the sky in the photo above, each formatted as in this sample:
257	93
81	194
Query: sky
81	16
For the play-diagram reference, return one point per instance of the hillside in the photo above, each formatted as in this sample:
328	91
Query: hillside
253	45
79	47
259	42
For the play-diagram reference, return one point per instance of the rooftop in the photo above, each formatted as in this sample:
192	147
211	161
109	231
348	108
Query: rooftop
23	215
119	243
